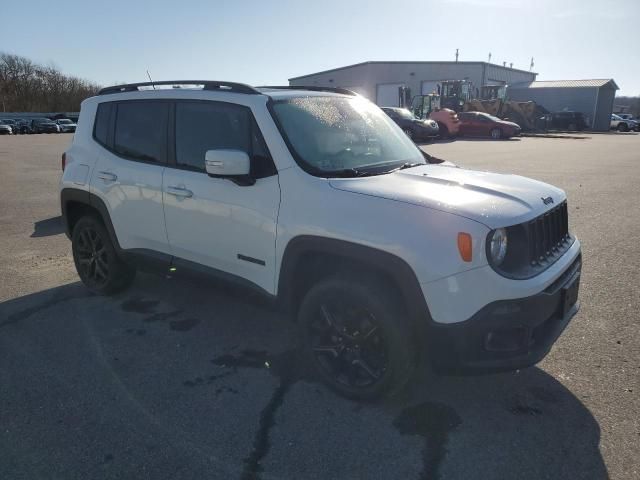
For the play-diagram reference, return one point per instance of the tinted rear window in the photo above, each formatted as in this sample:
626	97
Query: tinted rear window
141	131
101	127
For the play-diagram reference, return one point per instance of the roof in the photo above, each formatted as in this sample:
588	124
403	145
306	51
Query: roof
591	83
392	62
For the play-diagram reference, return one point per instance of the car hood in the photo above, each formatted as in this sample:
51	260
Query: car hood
511	124
493	199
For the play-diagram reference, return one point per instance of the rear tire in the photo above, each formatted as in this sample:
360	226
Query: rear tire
622	127
356	338
96	260
496	134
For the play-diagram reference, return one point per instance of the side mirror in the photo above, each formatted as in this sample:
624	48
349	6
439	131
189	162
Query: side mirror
227	163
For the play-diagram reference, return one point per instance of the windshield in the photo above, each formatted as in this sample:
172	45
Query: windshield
491	117
404	113
331	135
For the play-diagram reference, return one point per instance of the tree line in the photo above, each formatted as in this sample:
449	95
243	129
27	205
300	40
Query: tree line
26	86
632	104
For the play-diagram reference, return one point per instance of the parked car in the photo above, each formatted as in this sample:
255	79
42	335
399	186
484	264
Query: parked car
480	124
416	129
5	129
44	125
447	120
314	198
12	123
24	126
623	125
66	125
569	121
628	116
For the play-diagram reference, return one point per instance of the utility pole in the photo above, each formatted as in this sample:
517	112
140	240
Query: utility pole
489	61
531	66
456	55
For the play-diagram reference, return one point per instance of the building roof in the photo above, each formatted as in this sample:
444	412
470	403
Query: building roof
409	62
590	83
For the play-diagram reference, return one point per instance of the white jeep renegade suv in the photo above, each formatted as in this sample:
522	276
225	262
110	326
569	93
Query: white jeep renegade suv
314	197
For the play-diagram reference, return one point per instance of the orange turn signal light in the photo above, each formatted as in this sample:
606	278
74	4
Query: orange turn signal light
465	246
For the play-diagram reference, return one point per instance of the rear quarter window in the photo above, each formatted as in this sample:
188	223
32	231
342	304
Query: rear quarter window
101	125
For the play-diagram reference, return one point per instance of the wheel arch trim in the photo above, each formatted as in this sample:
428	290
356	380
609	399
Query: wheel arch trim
397	269
68	195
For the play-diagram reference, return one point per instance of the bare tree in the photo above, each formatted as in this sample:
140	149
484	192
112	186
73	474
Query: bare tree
29	87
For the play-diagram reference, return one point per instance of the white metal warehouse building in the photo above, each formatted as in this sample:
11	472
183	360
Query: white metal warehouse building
380	81
593	98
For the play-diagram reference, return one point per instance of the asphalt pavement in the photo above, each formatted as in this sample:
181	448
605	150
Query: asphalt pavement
173	379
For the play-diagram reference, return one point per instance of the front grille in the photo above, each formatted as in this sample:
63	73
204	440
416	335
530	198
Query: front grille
548	234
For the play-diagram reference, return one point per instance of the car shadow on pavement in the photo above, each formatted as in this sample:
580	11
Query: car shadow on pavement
175	379
48	227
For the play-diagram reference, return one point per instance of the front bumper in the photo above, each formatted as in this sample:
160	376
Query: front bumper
510	334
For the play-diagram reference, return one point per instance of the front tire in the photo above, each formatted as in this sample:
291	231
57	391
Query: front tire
622	127
356	338
96	260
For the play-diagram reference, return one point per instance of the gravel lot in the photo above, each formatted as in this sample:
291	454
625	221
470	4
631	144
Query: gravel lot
179	380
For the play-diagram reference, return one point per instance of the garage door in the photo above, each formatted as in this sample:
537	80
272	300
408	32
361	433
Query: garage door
388	95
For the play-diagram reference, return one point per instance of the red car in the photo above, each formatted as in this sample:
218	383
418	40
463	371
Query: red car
479	124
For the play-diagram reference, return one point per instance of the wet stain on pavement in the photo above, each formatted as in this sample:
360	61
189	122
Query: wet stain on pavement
183	325
139	305
221	390
208	381
161	317
523	409
283	366
433	421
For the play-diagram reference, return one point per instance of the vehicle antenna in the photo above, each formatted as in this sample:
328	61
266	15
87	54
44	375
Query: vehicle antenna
148	75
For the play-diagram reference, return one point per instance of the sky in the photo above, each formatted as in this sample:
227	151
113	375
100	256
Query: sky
268	42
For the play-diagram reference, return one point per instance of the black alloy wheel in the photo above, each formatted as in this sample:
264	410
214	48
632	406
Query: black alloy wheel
348	345
91	257
96	260
356	337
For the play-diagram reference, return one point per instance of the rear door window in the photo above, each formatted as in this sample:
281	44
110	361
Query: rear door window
141	131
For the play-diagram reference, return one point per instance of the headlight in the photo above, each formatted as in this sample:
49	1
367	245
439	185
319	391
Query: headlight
498	246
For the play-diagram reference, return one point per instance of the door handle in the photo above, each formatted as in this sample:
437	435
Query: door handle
107	176
180	192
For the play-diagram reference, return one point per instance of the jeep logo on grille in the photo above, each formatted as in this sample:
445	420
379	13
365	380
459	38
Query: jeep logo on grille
547	200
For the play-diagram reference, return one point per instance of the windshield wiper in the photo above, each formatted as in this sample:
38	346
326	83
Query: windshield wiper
345	173
404	166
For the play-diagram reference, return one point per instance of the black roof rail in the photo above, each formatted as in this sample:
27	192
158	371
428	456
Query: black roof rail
313	88
206	85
